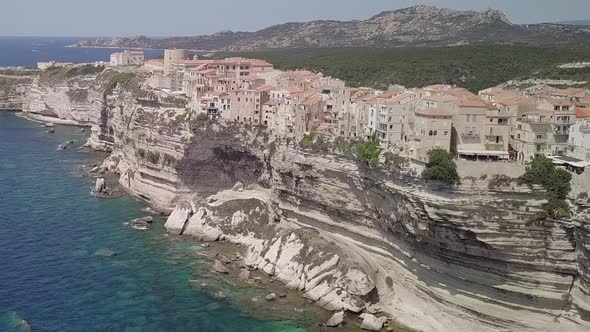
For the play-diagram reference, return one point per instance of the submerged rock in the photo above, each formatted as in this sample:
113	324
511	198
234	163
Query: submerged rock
14	321
105	253
271	297
143	223
336	319
372	323
244	275
219	268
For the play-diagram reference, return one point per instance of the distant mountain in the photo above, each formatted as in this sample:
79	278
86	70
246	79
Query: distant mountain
414	26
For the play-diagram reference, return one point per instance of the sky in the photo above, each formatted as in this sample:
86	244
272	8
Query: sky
110	18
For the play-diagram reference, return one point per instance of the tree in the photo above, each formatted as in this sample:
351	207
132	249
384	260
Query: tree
555	181
441	167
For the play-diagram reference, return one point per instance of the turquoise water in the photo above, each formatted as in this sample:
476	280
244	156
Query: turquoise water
68	262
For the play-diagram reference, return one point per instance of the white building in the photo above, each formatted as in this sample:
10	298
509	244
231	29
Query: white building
127	58
579	136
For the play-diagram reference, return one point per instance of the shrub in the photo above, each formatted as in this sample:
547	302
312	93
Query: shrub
119	78
441	167
394	161
368	152
84	70
555	181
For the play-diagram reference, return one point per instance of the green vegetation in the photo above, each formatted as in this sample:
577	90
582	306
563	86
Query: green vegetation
368	152
85	70
441	167
472	67
3	84
555	181
118	78
394	161
18	72
57	73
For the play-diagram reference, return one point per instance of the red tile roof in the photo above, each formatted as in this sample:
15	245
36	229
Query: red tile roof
582	113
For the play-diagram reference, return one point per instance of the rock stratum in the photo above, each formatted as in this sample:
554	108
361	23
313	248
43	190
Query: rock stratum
415	26
347	236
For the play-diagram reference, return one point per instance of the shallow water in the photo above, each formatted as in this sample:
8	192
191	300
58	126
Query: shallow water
69	263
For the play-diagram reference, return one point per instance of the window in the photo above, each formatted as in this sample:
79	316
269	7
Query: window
430	133
435	133
446	133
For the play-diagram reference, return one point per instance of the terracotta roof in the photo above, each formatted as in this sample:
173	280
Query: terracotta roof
431	112
583	113
311	101
515	101
559	102
475	103
440	99
461	93
401	97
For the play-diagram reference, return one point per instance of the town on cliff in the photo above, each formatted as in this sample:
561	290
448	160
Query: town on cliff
497	124
235	150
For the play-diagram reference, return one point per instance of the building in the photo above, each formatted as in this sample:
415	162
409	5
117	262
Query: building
127	58
49	64
579	137
432	129
172	56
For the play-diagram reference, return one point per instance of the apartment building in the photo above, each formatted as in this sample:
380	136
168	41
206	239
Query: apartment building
579	137
432	129
127	58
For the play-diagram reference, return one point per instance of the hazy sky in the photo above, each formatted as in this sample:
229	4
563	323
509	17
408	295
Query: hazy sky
192	17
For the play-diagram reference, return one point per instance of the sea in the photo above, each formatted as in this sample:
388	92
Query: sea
69	262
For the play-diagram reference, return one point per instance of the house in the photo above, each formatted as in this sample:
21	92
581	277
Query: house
127	58
432	129
579	137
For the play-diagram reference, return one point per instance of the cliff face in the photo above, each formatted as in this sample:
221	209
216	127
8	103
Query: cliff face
346	235
13	87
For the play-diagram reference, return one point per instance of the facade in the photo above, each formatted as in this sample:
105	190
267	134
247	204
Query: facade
495	124
432	129
172	56
579	138
127	58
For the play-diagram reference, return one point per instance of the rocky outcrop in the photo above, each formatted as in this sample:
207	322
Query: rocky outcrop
147	136
13	87
414	26
347	236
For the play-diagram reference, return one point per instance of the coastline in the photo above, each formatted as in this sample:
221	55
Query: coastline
136	48
254	289
48	119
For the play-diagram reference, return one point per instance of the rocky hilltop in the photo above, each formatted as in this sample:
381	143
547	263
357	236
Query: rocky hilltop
414	26
346	235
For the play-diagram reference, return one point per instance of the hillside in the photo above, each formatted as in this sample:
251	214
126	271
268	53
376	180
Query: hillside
415	26
473	67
